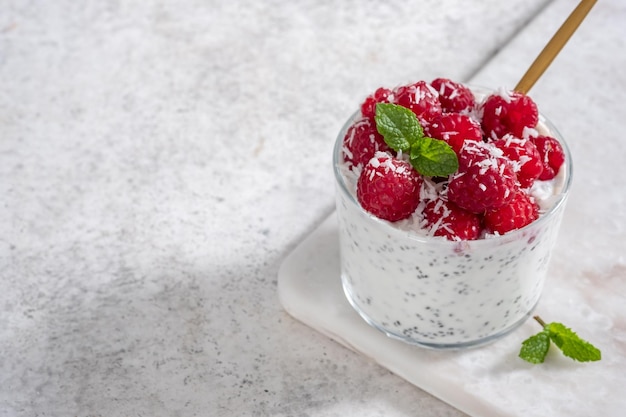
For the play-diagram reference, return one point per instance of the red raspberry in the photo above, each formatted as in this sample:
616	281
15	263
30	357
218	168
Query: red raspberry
421	98
362	141
485	179
455	129
454	97
551	154
389	188
525	157
451	221
368	108
508	113
522	210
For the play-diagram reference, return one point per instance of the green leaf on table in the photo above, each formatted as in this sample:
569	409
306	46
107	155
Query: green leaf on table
571	345
535	348
398	126
433	157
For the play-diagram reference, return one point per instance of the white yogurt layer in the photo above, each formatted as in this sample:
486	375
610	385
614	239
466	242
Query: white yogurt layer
438	293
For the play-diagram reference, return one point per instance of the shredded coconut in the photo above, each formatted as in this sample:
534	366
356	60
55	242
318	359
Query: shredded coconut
432	90
523	159
516	165
512	139
347	152
438	205
529	132
389	166
419	95
428	190
505	94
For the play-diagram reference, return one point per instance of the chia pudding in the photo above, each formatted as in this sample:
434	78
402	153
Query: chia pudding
439	293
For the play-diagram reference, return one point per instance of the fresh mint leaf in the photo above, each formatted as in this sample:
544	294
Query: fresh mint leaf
402	131
571	345
398	126
535	348
433	157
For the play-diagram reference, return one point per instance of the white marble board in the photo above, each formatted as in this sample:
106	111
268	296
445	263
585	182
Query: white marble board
486	381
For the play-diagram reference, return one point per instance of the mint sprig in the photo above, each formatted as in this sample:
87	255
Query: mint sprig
535	348
398	125
433	157
402	131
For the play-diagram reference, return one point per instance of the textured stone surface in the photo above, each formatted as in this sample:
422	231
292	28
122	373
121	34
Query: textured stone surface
158	161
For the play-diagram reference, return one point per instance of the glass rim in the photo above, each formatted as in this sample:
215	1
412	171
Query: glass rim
560	200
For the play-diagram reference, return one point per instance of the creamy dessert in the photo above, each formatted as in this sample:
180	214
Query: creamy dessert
455	260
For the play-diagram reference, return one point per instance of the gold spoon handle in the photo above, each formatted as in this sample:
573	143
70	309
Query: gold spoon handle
550	51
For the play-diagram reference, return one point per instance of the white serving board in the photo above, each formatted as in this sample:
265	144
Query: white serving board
486	381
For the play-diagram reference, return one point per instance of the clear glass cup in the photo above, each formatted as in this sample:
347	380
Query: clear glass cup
437	293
